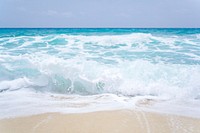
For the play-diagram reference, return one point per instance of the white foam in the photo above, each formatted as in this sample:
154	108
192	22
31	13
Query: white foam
14	84
50	82
27	102
137	77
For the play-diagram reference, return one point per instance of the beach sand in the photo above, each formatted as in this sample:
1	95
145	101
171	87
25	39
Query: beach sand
120	121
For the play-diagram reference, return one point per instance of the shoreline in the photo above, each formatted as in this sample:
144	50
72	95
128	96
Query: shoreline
117	121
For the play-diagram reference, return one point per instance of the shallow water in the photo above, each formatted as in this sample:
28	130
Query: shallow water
118	65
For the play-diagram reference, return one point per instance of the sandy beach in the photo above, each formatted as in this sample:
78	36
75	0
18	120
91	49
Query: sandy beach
120	121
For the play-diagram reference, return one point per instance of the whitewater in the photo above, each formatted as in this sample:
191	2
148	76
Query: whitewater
84	70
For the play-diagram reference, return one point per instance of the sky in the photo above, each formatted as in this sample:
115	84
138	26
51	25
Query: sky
100	13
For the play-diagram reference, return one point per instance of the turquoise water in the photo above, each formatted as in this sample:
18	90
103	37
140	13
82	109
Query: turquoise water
161	63
65	59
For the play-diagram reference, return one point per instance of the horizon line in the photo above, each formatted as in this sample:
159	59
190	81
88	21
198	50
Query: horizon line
99	27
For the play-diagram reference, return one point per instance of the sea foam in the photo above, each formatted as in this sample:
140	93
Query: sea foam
121	68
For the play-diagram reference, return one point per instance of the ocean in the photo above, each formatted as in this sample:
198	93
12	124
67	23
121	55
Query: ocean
72	70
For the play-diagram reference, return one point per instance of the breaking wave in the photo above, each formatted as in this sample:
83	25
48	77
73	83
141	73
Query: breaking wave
100	64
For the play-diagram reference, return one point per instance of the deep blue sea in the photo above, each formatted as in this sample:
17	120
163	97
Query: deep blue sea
80	70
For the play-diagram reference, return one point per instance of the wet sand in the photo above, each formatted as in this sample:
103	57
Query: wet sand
120	121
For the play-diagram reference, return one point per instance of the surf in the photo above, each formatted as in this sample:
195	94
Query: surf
117	64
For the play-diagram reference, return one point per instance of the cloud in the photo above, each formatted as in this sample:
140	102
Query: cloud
57	13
